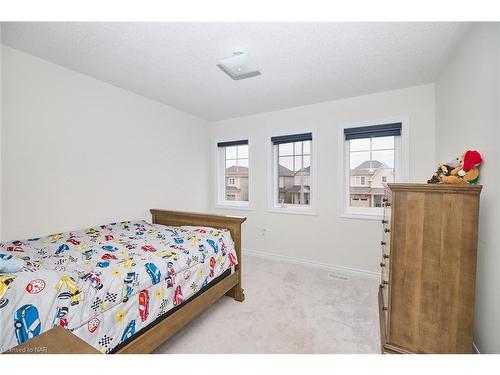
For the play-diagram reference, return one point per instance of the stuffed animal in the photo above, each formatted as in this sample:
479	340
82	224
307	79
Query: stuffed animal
470	166
460	171
443	170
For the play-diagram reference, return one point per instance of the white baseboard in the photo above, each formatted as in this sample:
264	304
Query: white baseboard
309	263
474	347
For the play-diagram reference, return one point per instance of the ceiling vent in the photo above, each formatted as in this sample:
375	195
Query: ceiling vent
239	66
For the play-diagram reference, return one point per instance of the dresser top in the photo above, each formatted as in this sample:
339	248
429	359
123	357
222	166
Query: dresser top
439	188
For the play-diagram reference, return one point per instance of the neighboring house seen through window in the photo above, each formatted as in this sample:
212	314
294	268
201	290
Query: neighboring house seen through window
372	154
233	173
292	171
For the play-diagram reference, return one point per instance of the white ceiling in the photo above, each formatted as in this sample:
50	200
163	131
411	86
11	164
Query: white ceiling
301	63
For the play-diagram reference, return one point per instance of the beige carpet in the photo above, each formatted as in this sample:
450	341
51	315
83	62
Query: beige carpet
288	309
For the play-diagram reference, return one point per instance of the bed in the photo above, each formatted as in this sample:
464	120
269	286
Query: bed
121	287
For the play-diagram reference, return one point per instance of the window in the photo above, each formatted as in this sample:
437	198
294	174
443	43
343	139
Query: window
371	156
360	180
233	173
292	173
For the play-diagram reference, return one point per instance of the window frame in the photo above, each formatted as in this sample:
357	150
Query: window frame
220	185
401	167
273	178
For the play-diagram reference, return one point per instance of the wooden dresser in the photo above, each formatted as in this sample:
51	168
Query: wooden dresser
429	247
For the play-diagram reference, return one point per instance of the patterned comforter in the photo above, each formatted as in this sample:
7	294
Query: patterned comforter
108	282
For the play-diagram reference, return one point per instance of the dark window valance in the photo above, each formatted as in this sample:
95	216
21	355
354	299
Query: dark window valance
384	130
233	143
291	138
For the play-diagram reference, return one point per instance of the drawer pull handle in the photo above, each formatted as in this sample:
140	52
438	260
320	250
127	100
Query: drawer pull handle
385	222
384	308
385	256
385	282
383	243
387	230
384	200
388	204
382	264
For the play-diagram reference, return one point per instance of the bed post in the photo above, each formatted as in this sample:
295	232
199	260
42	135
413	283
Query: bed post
237	291
232	223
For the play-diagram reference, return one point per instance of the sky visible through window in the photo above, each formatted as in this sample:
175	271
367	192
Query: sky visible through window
295	156
379	148
237	156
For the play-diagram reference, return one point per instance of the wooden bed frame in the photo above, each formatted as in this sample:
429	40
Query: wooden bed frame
230	285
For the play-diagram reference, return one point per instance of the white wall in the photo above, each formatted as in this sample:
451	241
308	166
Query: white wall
467	116
79	152
326	237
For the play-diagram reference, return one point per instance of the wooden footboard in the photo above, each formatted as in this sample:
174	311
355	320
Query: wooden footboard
232	223
231	285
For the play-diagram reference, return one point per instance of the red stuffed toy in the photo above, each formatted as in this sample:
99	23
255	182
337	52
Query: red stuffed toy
472	158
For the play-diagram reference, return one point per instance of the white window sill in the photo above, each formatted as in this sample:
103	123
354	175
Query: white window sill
293	211
361	216
232	206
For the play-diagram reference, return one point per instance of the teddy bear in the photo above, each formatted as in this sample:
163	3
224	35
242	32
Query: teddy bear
444	170
460	171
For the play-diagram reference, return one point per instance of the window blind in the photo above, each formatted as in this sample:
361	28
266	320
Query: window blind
233	143
291	138
384	130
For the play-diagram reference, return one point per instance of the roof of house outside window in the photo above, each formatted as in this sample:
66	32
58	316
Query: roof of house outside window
284	171
368	168
306	171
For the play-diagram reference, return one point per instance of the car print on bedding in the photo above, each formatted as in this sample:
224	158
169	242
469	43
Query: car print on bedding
103	264
61	317
62	249
70	290
94	278
129	282
153	272
129	331
27	323
144	304
5	282
178	296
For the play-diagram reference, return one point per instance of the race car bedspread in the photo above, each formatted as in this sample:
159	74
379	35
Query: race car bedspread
106	283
